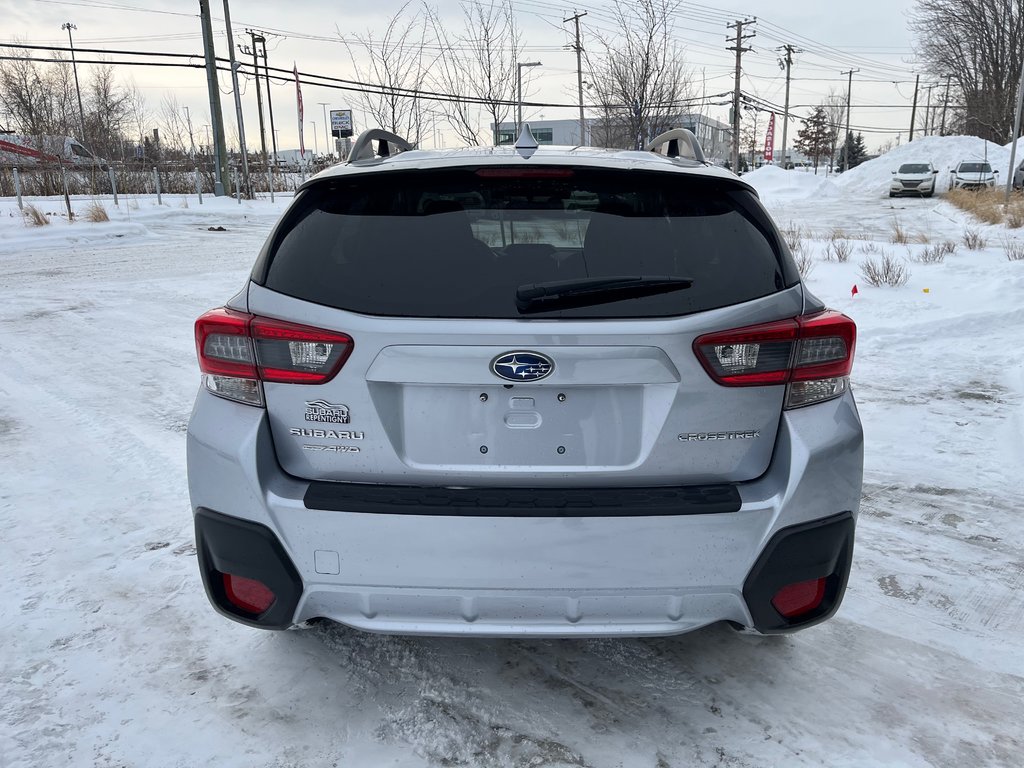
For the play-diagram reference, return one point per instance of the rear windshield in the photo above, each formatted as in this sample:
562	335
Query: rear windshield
975	168
915	168
459	243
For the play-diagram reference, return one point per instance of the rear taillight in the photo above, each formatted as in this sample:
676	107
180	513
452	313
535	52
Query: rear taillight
811	354
237	351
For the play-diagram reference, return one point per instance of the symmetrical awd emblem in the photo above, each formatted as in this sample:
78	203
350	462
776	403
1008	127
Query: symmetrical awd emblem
522	366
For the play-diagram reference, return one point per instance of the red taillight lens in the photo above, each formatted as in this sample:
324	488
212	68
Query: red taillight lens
238	350
223	344
811	353
250	595
797	599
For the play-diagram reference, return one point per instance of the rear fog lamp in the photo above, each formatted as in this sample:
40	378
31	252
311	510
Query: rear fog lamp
249	595
797	599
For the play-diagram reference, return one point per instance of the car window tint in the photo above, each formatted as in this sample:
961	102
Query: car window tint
459	243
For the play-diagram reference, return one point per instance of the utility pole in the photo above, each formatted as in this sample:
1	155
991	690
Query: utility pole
788	64
913	110
74	68
259	96
945	104
220	151
238	101
578	47
846	141
191	137
327	128
740	49
1011	172
927	111
262	40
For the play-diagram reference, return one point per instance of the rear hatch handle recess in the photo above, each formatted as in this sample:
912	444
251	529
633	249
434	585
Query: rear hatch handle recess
568	294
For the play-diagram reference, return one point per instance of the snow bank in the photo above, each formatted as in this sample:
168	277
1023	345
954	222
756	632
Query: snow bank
943	152
773	183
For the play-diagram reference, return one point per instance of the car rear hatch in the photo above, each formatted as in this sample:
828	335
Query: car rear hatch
524	328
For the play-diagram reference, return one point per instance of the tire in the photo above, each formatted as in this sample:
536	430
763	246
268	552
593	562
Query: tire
892	194
929	193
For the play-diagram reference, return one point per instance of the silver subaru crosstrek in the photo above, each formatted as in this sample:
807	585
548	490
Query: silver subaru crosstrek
525	391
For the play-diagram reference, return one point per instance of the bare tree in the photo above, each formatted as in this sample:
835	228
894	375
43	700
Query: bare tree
834	107
980	43
479	63
395	62
639	77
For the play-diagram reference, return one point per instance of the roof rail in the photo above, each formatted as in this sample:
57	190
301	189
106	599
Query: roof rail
672	139
363	150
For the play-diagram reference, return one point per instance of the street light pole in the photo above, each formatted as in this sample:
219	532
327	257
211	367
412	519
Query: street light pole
327	129
74	68
519	92
316	144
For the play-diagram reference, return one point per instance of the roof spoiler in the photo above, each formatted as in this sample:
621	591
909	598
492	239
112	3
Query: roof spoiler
674	142
386	141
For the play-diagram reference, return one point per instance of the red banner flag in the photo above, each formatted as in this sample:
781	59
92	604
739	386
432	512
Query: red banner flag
769	140
854	291
298	102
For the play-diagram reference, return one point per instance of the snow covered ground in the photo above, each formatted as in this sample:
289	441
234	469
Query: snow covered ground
113	657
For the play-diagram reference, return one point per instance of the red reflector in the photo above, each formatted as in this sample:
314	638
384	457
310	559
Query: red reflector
250	595
525	173
797	599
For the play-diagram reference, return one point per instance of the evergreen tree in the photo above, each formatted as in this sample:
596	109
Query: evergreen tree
816	136
856	149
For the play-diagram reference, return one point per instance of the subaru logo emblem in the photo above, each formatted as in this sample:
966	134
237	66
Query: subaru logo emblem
522	366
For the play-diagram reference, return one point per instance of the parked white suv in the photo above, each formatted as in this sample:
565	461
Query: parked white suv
973	176
913	179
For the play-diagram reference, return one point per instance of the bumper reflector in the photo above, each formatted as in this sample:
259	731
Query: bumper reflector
248	594
797	599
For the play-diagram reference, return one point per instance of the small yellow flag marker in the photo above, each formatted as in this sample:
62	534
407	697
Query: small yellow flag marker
926	290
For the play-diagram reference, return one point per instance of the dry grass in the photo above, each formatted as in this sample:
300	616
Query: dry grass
794	237
900	236
922	238
838	250
887	271
95	212
984	205
973	240
1014	249
869	247
934	254
804	263
1015	213
34	217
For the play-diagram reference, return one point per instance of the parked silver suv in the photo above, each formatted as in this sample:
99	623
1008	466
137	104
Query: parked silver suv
525	391
913	179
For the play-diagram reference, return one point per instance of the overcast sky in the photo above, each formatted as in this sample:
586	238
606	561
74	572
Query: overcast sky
869	35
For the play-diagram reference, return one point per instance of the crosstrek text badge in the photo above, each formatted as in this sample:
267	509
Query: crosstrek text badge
522	366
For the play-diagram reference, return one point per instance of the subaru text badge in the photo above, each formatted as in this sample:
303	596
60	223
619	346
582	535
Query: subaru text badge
522	366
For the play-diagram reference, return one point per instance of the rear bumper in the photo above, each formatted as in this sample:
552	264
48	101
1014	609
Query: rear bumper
540	575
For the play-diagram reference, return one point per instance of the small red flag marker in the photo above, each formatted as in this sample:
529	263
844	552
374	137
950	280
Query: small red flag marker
854	291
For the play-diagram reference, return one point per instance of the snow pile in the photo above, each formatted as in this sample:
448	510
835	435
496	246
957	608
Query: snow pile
773	183
943	152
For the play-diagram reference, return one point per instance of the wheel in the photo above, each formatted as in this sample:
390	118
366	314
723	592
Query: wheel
892	194
929	193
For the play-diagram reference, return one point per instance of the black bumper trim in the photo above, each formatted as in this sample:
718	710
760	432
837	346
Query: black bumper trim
819	549
243	548
522	502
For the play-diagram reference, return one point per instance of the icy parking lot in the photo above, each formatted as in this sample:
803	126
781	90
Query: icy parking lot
113	656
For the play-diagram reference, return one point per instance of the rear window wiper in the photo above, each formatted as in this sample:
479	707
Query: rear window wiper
568	294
